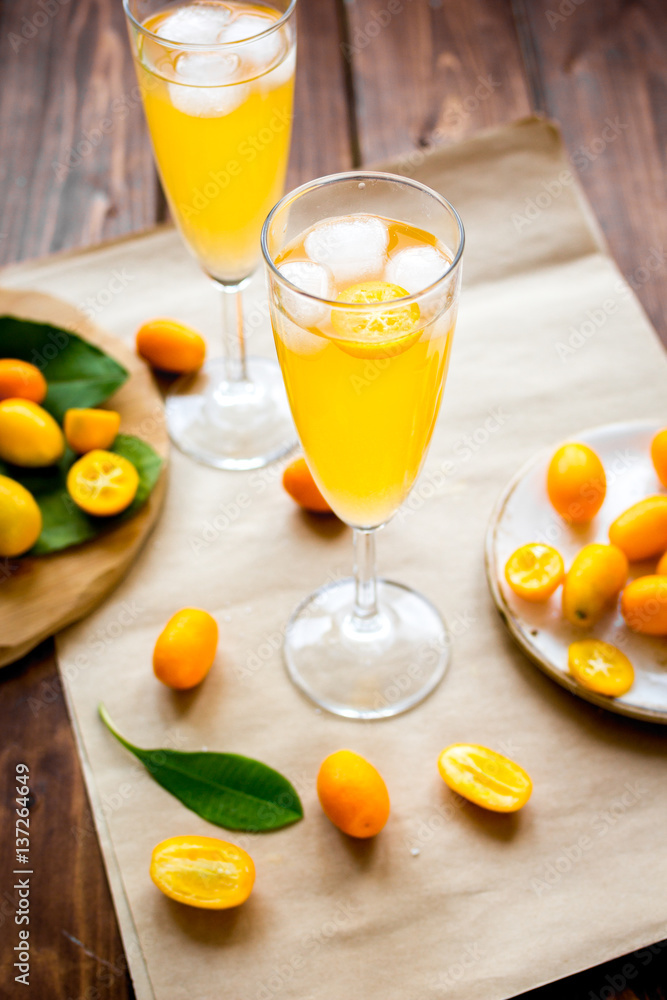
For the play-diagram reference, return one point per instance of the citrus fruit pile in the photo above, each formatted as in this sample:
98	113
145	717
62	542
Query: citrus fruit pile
576	486
100	482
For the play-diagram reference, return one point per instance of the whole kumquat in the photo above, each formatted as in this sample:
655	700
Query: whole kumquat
204	872
659	455
29	436
20	519
641	531
576	482
601	667
353	794
534	571
299	483
170	346
644	605
186	648
21	380
593	582
485	777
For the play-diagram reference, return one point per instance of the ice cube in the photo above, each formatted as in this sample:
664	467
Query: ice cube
415	268
299	340
354	248
316	279
281	74
260	54
196	23
208	90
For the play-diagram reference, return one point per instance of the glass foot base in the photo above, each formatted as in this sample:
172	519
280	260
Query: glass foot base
231	425
366	670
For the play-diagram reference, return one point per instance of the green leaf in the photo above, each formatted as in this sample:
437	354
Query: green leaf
63	523
231	791
78	373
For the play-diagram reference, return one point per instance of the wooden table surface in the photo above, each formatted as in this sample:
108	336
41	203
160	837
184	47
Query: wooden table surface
376	78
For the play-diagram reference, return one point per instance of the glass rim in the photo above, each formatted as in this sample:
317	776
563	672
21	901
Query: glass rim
197	46
368	175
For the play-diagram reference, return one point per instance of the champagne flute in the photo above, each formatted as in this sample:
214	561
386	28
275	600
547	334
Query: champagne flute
217	83
364	276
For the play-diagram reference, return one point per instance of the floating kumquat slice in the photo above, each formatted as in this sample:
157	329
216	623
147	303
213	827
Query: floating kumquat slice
377	333
601	667
534	571
485	777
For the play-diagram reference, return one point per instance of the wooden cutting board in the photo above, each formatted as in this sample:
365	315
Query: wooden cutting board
41	595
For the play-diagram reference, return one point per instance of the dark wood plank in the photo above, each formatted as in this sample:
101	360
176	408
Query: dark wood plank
431	71
75	947
321	141
601	69
75	162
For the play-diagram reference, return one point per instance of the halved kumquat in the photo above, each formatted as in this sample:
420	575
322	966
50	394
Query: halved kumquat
534	571
102	483
204	872
377	333
601	667
88	429
485	777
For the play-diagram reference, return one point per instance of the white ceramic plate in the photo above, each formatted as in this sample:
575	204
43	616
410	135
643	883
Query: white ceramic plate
524	514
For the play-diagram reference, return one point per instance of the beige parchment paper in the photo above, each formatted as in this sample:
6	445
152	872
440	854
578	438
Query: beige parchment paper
448	900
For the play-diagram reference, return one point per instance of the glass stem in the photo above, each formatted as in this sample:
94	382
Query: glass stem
233	339
365	579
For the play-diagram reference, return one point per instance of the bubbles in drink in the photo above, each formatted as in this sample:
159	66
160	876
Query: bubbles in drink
354	248
315	279
196	23
208	76
416	267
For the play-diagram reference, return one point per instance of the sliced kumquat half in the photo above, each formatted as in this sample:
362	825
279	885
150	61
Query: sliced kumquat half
102	483
204	872
534	571
377	333
601	667
485	777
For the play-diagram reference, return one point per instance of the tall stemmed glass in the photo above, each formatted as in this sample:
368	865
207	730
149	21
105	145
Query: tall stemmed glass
364	274
217	82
